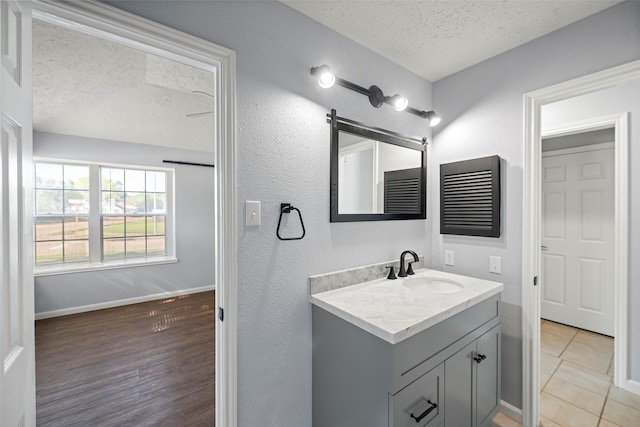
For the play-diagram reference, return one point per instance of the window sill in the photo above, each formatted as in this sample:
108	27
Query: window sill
51	270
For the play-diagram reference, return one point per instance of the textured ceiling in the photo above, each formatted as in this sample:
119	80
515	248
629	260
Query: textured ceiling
86	86
437	38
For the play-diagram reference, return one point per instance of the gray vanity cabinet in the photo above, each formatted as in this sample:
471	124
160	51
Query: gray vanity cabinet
427	380
472	377
420	404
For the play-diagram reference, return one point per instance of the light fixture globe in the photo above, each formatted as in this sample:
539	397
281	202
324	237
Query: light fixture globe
326	78
433	118
400	103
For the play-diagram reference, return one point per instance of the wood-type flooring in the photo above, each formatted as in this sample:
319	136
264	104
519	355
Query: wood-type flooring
148	364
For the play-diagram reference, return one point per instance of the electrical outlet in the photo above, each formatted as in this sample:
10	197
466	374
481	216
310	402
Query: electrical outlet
495	264
448	258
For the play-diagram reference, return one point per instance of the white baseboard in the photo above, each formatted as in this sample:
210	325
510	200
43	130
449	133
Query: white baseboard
511	411
633	386
119	303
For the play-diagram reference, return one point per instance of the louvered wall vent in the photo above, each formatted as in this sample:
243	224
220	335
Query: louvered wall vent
403	191
470	197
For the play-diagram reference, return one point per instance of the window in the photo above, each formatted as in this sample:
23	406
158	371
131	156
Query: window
100	214
133	212
61	213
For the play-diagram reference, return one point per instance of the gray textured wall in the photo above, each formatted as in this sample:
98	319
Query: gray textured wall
615	100
194	210
482	110
283	156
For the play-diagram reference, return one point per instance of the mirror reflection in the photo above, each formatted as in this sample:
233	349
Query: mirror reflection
375	174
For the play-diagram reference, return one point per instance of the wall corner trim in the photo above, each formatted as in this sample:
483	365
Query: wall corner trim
121	302
511	411
633	386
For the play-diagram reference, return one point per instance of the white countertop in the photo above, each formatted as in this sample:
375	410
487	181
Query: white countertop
393	312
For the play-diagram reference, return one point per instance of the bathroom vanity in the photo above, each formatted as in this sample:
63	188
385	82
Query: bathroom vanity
417	351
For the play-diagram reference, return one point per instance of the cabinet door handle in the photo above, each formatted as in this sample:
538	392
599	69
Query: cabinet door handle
479	358
426	412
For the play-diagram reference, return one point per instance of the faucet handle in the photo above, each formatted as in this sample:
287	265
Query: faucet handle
410	269
392	273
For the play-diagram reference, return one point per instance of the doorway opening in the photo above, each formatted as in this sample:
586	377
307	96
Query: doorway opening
108	23
577	280
533	104
111	221
577	229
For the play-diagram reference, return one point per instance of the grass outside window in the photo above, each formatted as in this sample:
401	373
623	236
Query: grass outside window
127	219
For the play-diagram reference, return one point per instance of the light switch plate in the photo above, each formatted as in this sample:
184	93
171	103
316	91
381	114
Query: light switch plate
252	213
495	264
448	258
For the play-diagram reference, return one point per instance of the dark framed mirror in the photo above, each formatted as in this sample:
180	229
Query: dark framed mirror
376	174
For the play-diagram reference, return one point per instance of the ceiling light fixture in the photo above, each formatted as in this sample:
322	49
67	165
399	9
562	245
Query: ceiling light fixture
326	79
203	113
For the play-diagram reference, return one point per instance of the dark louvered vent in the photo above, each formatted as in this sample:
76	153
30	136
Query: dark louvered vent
470	197
402	191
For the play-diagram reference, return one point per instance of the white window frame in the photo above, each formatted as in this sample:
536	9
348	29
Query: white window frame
96	261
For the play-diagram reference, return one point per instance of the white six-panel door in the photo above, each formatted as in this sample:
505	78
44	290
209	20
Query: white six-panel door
17	378
577	239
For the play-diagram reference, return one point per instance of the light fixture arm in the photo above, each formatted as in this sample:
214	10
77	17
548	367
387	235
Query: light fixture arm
412	110
374	93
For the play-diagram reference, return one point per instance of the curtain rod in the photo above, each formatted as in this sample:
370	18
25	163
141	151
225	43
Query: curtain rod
188	163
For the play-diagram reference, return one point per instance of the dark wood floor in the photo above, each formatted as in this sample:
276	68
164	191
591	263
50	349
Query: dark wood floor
149	364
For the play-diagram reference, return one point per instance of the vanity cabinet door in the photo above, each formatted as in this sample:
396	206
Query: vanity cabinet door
488	377
458	387
472	382
420	404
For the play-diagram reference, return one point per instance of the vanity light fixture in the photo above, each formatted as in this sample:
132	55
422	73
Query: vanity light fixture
400	103
326	79
433	118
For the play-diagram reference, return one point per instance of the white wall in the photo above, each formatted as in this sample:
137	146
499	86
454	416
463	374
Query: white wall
620	99
194	224
283	156
482	111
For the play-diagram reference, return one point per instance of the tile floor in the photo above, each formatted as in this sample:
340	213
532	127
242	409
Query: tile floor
576	370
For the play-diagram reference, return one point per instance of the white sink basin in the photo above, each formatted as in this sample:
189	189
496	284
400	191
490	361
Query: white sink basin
435	285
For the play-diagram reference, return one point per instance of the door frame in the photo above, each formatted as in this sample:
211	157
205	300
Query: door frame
533	102
122	27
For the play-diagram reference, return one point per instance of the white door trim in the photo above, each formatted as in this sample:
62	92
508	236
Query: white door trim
579	149
533	101
108	22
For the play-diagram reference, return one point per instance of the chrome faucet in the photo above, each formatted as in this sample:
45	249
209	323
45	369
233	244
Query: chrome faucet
404	272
